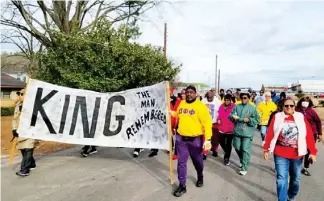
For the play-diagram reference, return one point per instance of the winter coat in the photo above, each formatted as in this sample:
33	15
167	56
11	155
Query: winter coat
225	126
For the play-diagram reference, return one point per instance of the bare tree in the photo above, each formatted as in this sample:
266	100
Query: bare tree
41	19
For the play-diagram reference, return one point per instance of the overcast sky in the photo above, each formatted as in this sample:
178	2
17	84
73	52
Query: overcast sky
257	42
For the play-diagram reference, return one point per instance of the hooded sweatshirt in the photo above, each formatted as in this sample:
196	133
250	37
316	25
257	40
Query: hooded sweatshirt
313	119
225	126
241	128
265	109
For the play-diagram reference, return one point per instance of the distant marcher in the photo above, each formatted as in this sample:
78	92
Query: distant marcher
237	95
193	135
289	136
274	96
259	98
225	127
281	100
221	94
213	105
265	109
25	145
245	118
304	106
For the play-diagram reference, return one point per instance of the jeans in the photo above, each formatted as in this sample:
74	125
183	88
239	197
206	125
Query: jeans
263	132
28	160
287	168
226	144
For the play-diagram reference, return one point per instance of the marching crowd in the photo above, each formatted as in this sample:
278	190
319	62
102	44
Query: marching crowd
288	130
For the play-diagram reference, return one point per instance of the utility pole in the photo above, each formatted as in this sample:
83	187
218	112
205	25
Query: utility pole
216	75
165	39
218	80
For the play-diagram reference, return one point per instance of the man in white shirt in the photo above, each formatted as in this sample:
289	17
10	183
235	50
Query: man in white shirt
213	104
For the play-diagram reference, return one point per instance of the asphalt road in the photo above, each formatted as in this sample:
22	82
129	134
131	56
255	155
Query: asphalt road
112	174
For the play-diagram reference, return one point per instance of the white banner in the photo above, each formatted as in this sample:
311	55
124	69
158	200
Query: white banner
134	118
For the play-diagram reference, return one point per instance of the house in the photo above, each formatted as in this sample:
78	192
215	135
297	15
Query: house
16	66
10	86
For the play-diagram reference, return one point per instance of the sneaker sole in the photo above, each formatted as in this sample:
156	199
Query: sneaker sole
93	152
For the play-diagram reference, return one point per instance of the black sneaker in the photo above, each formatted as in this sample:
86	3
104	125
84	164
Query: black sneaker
215	153
305	172
84	154
227	161
136	152
92	151
200	182
22	173
153	153
32	167
180	191
204	157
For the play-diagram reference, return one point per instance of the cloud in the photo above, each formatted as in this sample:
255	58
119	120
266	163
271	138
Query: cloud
257	42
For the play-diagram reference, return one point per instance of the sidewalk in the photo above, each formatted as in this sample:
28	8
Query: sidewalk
113	175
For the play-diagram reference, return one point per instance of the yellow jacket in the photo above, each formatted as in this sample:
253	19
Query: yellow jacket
265	110
194	119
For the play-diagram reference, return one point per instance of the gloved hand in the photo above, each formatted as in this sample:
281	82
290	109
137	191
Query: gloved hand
14	133
207	145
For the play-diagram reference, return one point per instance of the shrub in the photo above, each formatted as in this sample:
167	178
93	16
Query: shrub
7	111
321	102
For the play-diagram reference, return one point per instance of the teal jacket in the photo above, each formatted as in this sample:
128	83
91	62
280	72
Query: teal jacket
245	111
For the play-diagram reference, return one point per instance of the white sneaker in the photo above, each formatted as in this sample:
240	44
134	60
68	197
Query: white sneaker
263	142
243	173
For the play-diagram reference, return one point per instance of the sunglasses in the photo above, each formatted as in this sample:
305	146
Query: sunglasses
244	98
291	106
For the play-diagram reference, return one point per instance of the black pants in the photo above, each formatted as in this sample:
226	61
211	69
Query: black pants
28	160
306	159
138	150
226	144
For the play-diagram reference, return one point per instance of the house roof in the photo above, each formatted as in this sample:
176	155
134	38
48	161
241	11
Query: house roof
14	63
10	82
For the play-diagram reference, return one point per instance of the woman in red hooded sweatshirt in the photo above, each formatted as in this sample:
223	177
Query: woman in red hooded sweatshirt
304	106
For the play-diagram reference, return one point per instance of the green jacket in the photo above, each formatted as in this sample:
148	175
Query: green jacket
245	111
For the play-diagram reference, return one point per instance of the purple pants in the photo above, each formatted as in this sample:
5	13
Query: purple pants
184	149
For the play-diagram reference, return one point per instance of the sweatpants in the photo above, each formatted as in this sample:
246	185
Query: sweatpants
243	148
28	160
226	144
215	139
186	147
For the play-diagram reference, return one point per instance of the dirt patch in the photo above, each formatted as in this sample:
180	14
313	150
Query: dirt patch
320	112
42	148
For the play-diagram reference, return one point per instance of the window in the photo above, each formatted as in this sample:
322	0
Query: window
5	94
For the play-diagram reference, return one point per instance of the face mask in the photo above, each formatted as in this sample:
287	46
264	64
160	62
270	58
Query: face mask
305	104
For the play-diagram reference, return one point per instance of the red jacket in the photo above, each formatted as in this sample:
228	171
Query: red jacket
174	121
285	151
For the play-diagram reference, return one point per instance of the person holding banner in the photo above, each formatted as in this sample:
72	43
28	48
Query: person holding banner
26	146
193	135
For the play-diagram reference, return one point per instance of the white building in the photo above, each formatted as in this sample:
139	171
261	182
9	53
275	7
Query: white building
310	86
